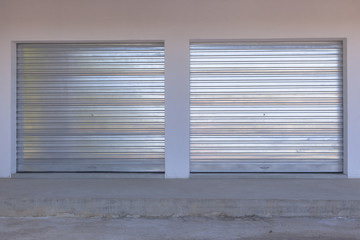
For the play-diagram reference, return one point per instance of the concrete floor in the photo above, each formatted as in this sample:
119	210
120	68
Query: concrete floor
248	228
180	198
291	189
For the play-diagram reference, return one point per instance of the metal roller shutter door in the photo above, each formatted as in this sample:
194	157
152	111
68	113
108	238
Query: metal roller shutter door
90	107
266	106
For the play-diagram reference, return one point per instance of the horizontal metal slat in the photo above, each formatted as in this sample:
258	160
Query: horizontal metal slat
90	107
268	106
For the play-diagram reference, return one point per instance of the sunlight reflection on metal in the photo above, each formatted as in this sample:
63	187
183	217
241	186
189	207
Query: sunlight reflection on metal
90	107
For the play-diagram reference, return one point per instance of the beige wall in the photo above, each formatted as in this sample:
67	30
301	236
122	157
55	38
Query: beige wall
177	21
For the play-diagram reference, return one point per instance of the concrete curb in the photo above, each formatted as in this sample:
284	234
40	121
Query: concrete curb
111	207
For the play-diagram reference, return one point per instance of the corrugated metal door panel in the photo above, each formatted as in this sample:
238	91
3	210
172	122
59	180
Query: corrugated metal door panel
90	107
266	106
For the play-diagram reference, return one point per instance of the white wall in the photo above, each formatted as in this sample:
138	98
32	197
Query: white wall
176	22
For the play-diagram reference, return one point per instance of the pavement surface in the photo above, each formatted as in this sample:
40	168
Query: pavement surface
246	228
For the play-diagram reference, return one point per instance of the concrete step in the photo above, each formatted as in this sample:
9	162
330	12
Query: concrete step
180	198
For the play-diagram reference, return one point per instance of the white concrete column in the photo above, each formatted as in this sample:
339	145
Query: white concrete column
177	108
5	109
352	168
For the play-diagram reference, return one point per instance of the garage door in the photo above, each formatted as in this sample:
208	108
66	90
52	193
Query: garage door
266	106
90	107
